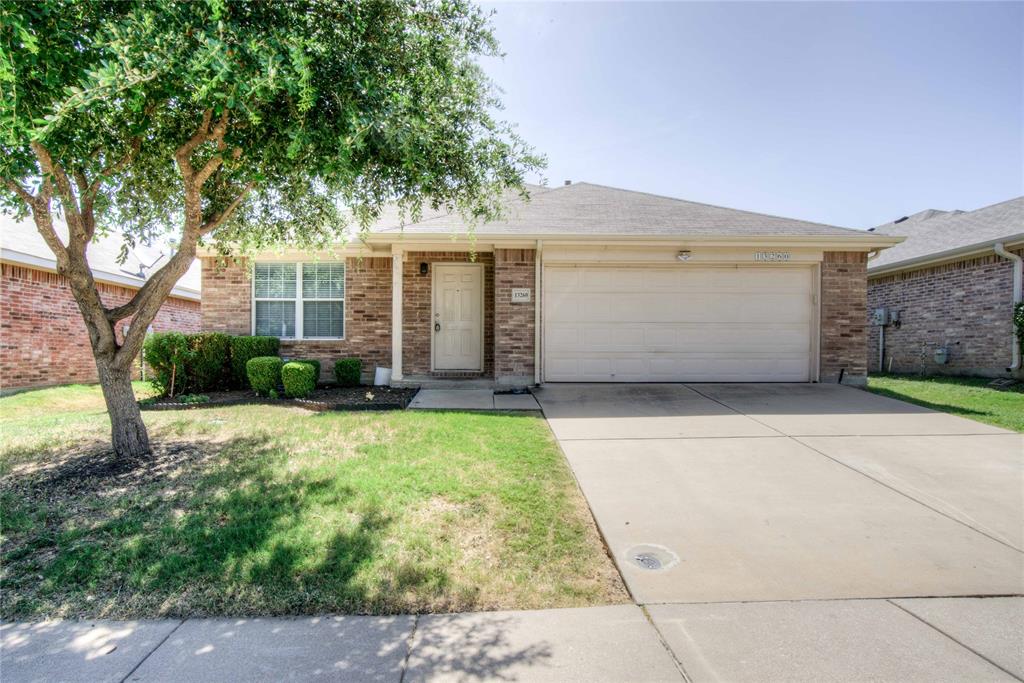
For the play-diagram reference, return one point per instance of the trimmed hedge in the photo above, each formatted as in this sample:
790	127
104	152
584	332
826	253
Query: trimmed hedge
299	378
348	372
264	373
315	364
244	349
209	368
167	354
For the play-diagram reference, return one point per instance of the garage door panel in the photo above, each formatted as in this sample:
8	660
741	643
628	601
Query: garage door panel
683	323
669	307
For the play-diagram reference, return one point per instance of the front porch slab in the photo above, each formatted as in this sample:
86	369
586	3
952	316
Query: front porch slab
471	399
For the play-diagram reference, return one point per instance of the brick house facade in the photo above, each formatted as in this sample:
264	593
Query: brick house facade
43	340
509	329
962	306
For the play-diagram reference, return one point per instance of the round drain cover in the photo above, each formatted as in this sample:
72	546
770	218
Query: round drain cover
651	557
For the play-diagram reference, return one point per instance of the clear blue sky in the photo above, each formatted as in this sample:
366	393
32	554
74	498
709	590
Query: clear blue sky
846	113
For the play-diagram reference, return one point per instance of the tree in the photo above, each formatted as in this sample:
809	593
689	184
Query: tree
240	125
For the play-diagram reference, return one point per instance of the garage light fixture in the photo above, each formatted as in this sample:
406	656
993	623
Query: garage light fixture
683	255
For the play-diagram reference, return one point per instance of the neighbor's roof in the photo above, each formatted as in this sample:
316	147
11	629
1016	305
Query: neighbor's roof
21	243
585	209
934	234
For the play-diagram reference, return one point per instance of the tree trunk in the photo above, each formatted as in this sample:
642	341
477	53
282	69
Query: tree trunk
127	430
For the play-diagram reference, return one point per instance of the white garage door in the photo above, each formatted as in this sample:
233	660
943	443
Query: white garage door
677	323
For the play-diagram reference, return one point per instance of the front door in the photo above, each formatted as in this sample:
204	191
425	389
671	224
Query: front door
458	317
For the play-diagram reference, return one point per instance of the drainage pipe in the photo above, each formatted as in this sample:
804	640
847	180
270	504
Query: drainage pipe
881	348
1018	276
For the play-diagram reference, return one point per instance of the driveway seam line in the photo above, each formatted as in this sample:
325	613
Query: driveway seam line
978	596
907	496
963	645
155	648
409	642
664	643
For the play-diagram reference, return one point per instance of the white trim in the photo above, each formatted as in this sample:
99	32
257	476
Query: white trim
298	300
397	299
538	284
483	311
50	265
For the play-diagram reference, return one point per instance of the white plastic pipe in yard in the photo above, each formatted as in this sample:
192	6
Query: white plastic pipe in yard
1018	276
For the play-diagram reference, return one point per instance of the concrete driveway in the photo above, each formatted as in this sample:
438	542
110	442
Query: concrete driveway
713	493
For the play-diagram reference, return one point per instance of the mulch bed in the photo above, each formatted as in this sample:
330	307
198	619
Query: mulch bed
322	398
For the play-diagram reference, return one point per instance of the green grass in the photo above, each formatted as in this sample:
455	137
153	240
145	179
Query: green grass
969	397
260	510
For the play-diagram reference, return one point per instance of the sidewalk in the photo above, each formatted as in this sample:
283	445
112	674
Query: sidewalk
942	639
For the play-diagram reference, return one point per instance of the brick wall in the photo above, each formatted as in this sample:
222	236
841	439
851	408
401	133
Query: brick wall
514	323
43	340
965	306
227	307
843	326
417	327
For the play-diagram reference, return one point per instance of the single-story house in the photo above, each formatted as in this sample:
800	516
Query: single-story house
582	283
948	292
43	339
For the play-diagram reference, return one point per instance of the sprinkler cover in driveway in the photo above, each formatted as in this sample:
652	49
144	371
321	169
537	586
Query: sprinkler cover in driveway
651	557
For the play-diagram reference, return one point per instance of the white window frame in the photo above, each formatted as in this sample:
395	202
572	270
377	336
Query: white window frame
298	300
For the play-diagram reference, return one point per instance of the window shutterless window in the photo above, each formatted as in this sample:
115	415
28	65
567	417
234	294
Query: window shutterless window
299	300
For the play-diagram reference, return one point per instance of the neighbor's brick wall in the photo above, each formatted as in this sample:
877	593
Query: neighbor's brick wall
965	306
227	307
417	327
514	333
43	340
843	327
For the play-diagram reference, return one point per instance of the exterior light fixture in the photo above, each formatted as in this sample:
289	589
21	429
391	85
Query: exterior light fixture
683	255
424	268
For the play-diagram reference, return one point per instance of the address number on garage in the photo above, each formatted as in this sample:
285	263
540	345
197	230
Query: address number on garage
772	256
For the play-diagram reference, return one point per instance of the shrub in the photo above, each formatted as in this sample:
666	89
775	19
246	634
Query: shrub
315	364
348	372
264	373
244	349
299	378
1018	321
194	399
168	354
209	364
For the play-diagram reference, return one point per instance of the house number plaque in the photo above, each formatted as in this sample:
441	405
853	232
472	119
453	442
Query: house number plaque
771	256
521	296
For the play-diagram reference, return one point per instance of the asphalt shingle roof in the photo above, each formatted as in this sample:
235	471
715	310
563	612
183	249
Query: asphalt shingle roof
588	209
19	239
935	232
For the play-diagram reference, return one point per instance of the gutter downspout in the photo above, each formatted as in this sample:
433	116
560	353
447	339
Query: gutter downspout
1018	276
538	267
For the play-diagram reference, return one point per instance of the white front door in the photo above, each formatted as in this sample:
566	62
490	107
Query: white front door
458	317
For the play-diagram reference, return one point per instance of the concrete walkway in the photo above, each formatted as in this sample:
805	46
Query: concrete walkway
851	640
471	399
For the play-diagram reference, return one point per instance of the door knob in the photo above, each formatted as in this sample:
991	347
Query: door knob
437	327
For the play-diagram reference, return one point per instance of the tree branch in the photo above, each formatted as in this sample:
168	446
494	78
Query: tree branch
22	193
183	153
219	219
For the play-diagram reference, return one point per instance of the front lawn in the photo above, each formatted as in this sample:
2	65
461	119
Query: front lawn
965	396
260	510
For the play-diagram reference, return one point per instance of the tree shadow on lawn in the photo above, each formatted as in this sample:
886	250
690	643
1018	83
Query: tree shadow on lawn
204	528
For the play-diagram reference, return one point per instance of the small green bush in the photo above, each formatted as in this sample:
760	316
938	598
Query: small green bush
244	349
264	373
299	379
209	366
1018	321
168	354
314	363
348	372
194	399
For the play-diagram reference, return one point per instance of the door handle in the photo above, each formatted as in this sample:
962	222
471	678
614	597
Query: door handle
437	327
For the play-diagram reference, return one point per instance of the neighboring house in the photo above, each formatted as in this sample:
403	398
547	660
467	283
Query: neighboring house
952	286
583	283
43	339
